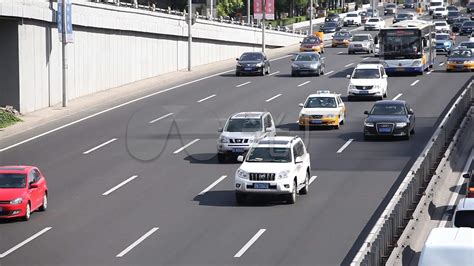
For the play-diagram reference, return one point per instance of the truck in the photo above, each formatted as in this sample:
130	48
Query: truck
448	246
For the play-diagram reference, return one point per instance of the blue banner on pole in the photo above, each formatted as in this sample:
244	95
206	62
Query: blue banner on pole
68	17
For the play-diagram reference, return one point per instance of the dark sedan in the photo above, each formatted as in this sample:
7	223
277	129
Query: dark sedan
470	7
409	4
252	63
330	27
452	16
403	16
333	18
307	63
389	118
466	28
458	23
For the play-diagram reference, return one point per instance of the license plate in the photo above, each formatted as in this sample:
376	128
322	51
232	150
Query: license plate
363	92
260	186
460	66
237	150
248	68
400	69
384	129
316	121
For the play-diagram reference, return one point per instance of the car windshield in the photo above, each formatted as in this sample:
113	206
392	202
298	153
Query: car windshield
321	102
461	20
374	20
342	34
360	38
330	24
271	154
442	37
307	57
244	125
453	13
391	6
468	23
251	57
469	45
12	180
403	15
439	9
436	4
388	109
440	24
310	40
461	54
366	74
464	219
351	15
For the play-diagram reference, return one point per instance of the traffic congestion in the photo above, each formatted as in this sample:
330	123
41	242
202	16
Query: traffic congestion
268	153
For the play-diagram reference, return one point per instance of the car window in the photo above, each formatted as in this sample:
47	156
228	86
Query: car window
360	38
464	219
299	149
268	121
31	177
307	57
388	109
442	37
311	40
461	54
374	20
351	15
251	57
36	175
269	154
244	125
468	23
321	102
12	181
382	70
366	74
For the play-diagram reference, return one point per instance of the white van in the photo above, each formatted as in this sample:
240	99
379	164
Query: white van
464	214
434	4
448	246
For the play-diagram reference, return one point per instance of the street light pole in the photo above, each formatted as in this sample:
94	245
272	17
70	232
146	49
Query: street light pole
212	9
64	53
311	18
248	12
263	24
190	36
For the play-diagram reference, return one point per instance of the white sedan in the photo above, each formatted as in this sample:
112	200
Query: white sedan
441	26
376	23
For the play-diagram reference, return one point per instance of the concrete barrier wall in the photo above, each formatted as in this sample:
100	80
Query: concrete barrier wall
114	46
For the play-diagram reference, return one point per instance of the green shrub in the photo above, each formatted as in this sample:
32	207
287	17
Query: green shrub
7	119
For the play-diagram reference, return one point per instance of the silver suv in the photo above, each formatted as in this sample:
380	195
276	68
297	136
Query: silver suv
361	43
242	130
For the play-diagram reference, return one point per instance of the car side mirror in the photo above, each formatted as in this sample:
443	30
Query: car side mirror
366	112
376	40
348	76
410	112
237	59
220	130
298	160
33	185
240	158
466	175
268	129
301	105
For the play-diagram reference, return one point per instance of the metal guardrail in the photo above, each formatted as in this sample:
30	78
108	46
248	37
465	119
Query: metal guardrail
169	11
378	245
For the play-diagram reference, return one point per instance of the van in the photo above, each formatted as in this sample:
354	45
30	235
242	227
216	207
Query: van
434	4
448	246
464	214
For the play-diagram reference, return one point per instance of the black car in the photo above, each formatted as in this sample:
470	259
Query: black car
452	8
334	18
458	23
409	4
466	28
402	17
330	27
452	16
390	9
470	7
389	118
470	184
252	63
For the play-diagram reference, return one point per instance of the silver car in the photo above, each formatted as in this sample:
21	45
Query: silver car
241	131
307	63
361	43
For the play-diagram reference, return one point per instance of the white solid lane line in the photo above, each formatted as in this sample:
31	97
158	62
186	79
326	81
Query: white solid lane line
100	146
119	185
207	98
24	242
274	73
243	84
429	72
340	53
311	180
366	58
345	146
273	98
160	118
212	185
398	96
414	83
348	65
442	63
329	73
304	83
136	243
185	146
250	243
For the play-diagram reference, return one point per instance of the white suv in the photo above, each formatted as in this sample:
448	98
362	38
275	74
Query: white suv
352	19
367	80
275	165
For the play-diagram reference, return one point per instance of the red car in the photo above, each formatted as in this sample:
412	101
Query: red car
23	190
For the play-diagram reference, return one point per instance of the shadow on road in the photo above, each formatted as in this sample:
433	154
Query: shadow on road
226	198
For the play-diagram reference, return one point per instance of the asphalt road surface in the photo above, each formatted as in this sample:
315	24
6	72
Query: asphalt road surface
137	199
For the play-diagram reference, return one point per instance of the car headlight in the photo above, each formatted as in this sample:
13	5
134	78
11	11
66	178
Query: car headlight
242	174
223	140
330	116
16	201
400	125
294	66
351	87
304	116
314	65
259	65
469	62
416	63
368	124
283	174
447	44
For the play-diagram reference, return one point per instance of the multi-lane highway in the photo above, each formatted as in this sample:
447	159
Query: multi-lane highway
141	185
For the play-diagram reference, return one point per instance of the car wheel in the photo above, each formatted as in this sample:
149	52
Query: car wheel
237	73
221	157
366	138
301	127
343	120
350	98
385	94
322	70
294	74
319	72
336	126
412	131
268	70
408	135
240	198
305	189
44	206
291	198
262	72
27	213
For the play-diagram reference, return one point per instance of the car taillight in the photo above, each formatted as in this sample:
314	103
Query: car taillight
470	193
